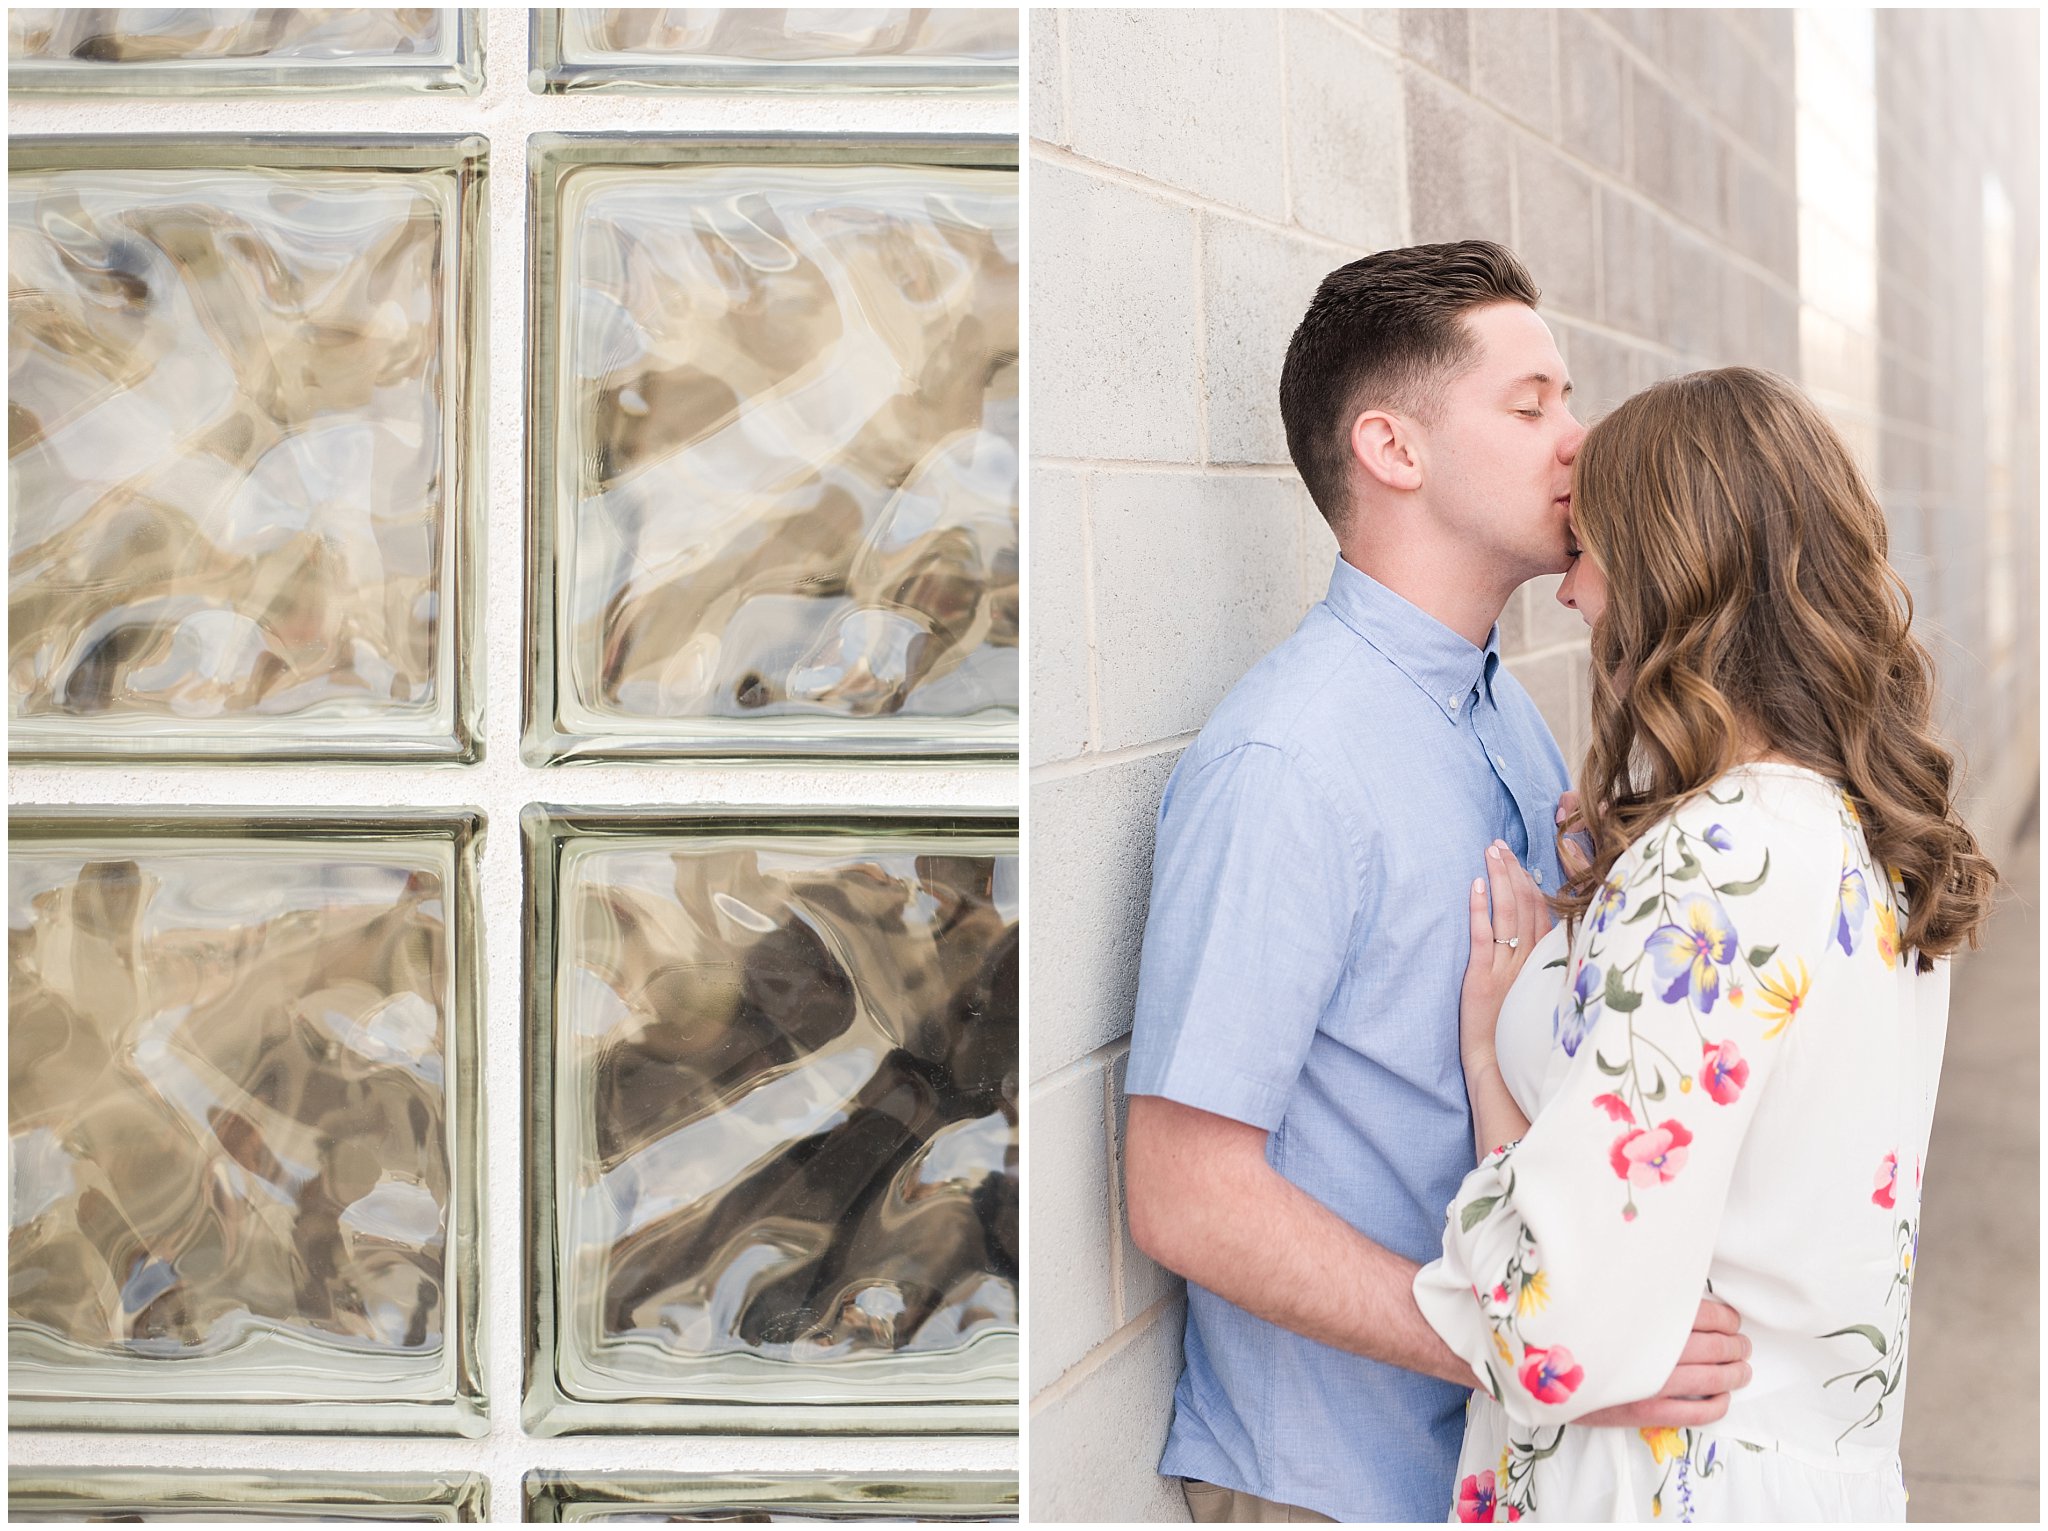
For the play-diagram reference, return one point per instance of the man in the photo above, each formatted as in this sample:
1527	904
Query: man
1298	1120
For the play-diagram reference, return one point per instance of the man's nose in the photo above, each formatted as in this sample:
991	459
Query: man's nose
1568	444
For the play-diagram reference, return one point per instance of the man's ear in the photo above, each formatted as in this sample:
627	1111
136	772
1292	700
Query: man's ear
1385	446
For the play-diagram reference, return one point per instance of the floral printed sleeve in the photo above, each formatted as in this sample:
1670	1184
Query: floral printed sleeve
1575	1259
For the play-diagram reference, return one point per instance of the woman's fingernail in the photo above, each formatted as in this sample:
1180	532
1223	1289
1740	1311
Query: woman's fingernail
1479	885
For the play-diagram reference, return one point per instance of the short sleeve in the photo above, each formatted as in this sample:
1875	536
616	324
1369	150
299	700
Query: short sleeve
1255	892
1574	1259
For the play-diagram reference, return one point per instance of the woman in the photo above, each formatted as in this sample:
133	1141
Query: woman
1729	1047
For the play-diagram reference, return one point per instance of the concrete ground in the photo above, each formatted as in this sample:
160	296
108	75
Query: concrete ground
1972	1445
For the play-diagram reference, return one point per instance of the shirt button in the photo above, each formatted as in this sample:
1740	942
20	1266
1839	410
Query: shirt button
1500	762
1454	702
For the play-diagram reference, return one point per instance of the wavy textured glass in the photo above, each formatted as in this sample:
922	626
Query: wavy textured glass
557	1498
651	47
785	480
238	1068
783	1090
234	457
94	1494
221	51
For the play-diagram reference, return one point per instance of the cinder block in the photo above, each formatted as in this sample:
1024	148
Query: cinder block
1112	320
1382	26
1440	40
1600	371
1256	285
1185	97
1590	86
1695	318
1554	220
1059	664
1091	883
1641	28
1072	1305
1457	166
1762	217
1633	241
1344	134
1195	579
1704	57
1677	154
1048	115
1514	65
1095	1450
1555	684
1144	1281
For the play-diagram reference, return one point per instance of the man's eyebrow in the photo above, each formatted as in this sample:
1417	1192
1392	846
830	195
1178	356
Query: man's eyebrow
1538	378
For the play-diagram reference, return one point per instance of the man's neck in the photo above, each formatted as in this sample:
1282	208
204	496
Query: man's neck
1436	585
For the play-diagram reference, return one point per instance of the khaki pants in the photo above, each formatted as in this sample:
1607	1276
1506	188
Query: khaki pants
1209	1504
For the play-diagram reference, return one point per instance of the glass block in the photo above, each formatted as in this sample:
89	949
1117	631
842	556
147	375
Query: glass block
79	50
735	49
558	1497
773	1073
775	448
244	468
92	1494
243	1121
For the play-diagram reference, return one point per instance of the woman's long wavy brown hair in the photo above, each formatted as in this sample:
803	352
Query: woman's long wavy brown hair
1750	608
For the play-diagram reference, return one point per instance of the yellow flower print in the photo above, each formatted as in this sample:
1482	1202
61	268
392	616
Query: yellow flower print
1503	1469
1782	996
1535	1294
1507	1356
1887	934
1850	805
1664	1443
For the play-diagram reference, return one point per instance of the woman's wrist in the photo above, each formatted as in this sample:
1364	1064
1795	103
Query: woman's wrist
1480	1063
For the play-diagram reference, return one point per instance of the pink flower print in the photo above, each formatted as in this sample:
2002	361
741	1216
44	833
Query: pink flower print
1501	1294
1723	1072
1690	954
1650	1156
1886	1194
1550	1375
1615	1107
1475	1497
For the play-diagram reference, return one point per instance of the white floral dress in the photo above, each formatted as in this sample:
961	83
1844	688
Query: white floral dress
1732	1094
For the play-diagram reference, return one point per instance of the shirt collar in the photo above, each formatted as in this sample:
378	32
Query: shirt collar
1443	664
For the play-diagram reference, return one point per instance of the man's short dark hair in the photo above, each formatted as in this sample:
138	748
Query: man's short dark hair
1385	332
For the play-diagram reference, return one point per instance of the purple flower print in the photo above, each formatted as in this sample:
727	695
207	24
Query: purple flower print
1578	1010
1690	953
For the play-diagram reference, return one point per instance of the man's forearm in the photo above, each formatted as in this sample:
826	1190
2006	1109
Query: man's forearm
1234	1225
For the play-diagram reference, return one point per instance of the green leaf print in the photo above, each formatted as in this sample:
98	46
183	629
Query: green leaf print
1619	996
1866	1330
1616	1069
1738	888
1759	955
1475	1212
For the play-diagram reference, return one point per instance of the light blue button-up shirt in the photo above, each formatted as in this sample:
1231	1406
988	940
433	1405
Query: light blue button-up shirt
1303	954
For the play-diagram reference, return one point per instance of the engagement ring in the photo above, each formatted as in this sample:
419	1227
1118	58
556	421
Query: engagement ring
1508	941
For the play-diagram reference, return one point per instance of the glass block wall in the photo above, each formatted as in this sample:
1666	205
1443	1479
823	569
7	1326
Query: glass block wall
676	1130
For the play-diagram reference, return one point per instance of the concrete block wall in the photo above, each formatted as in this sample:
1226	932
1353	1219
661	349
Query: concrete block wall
1193	174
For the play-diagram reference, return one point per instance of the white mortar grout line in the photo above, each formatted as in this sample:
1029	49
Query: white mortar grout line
1106	1351
1165	191
1161	465
1081	765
